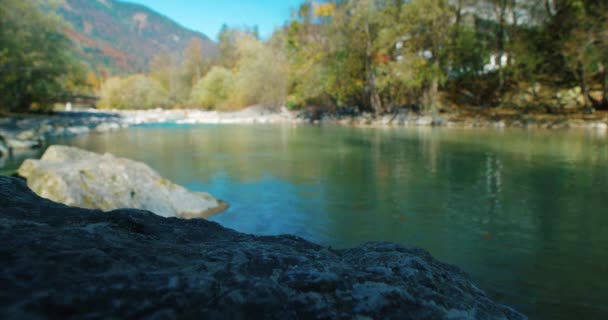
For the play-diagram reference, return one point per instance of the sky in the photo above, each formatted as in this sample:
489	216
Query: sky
208	16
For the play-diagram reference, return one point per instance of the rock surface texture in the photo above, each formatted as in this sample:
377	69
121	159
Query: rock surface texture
85	179
62	262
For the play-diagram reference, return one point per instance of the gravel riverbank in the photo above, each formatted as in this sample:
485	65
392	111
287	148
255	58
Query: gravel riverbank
24	132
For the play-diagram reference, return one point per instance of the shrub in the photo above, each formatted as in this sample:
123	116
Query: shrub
260	77
214	90
133	92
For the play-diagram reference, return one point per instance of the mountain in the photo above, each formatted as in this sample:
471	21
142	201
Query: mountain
115	37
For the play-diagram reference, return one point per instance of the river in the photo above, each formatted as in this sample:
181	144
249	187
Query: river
524	212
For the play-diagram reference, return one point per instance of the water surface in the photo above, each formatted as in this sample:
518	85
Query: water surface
524	212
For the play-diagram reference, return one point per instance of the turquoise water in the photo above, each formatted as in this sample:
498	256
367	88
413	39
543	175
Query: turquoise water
524	212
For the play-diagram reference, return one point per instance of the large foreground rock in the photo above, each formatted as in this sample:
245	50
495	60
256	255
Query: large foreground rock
85	179
62	262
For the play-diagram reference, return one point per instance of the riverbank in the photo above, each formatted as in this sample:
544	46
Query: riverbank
21	132
465	118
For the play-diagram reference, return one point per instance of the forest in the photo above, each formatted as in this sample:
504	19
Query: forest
372	55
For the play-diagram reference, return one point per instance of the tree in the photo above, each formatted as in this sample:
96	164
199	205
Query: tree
353	31
583	43
36	66
306	50
174	76
261	76
227	46
258	77
333	45
426	29
195	64
93	80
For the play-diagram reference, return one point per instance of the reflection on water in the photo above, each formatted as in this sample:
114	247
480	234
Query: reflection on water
523	212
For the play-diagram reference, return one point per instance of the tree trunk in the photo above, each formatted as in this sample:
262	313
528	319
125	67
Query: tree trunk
456	32
431	94
583	83
24	103
374	96
604	103
501	12
548	8
501	45
458	14
513	27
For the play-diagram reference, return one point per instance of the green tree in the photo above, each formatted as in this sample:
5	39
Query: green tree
360	25
195	64
306	50
36	67
426	26
227	46
584	44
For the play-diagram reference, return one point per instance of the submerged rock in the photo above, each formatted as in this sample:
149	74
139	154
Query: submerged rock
85	179
18	144
599	125
62	262
107	126
28	135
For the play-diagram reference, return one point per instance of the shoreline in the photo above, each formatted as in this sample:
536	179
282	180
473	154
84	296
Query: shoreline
402	118
23	132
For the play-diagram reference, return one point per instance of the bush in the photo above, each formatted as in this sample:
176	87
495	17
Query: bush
262	75
214	90
133	92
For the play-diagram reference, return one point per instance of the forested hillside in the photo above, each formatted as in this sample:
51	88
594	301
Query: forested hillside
115	37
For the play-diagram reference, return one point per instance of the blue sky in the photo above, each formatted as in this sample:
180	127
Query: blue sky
207	16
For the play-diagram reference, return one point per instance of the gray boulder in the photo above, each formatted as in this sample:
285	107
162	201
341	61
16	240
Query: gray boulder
85	179
62	262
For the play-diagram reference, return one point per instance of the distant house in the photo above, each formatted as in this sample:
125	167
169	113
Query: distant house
483	18
496	62
426	54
